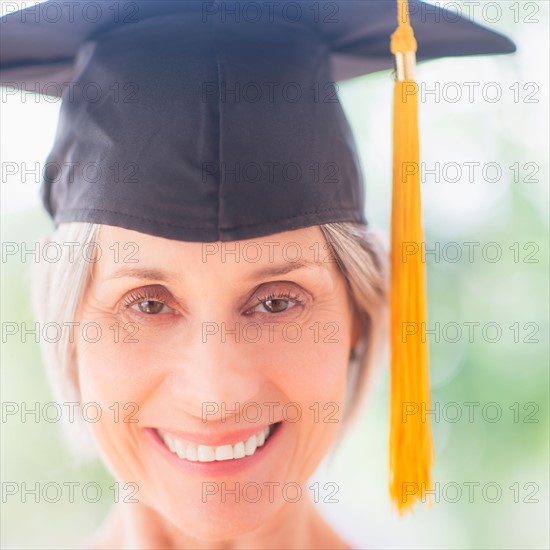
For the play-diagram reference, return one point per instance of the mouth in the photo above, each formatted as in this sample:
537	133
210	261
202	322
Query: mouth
193	452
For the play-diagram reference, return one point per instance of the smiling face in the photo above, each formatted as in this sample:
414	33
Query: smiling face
205	349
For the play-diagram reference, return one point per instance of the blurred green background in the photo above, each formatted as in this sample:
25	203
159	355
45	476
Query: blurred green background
510	133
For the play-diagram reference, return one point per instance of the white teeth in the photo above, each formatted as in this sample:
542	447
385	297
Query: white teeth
250	445
171	444
180	448
225	452
192	453
238	450
207	453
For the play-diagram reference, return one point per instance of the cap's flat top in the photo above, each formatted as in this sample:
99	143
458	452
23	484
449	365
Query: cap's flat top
41	42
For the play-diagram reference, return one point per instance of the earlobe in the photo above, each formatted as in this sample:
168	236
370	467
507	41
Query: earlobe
356	330
355	337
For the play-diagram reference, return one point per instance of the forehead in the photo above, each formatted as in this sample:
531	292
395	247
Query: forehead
124	250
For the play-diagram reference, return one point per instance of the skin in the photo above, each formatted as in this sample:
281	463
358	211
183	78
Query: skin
170	367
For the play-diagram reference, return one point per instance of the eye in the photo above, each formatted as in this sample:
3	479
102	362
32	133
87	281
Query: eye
278	303
149	302
151	307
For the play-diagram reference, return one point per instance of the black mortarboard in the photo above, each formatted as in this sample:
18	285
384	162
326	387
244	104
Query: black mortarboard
212	120
218	120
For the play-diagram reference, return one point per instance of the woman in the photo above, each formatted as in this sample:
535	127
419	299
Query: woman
205	349
228	298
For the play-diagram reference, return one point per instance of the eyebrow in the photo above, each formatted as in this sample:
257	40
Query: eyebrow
147	274
287	268
144	274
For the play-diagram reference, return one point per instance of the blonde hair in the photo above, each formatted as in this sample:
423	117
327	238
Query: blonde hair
59	288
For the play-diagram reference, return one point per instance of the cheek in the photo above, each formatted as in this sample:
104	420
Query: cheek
108	380
313	373
119	364
106	372
315	363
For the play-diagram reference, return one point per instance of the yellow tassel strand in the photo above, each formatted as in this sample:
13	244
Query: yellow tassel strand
411	452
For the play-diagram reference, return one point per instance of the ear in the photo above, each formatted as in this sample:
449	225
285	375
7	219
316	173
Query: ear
357	329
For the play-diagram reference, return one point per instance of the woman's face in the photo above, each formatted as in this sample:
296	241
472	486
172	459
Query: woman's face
207	345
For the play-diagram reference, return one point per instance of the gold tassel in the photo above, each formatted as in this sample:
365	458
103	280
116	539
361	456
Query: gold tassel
411	452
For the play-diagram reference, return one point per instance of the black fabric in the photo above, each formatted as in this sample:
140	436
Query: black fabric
190	125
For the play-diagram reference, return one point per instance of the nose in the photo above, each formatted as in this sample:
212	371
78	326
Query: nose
216	376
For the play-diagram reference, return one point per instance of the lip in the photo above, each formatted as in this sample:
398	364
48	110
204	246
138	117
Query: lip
215	440
217	468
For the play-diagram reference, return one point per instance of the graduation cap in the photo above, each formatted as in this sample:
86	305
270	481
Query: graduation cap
218	120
